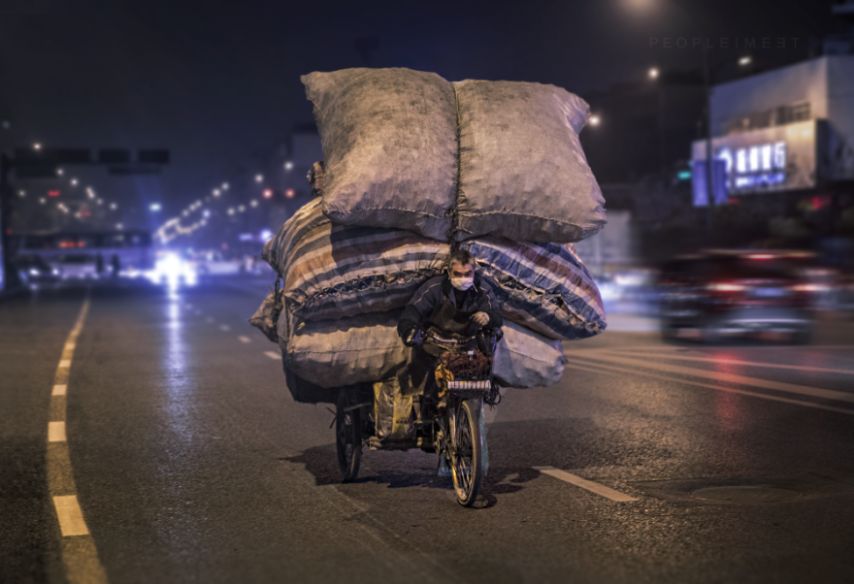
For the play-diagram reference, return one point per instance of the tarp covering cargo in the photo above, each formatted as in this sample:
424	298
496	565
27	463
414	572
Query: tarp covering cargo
525	359
523	173
332	353
390	143
266	317
543	286
335	271
391	146
277	250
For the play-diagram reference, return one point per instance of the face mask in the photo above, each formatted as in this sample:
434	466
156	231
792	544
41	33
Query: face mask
462	284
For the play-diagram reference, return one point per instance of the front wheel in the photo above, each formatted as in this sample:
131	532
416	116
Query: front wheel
348	437
467	451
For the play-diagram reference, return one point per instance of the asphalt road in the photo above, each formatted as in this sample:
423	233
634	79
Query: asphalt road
190	462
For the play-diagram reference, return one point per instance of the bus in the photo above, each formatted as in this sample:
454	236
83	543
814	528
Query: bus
91	254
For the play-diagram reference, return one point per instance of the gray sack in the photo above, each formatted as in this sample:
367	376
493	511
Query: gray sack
390	146
523	173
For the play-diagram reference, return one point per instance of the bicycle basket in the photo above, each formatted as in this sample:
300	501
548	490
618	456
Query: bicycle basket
466	374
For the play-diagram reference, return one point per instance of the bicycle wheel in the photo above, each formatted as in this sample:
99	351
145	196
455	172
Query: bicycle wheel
467	451
348	437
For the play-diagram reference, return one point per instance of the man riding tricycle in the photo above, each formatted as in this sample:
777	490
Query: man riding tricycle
435	402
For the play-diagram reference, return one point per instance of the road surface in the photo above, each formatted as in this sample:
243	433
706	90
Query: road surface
149	437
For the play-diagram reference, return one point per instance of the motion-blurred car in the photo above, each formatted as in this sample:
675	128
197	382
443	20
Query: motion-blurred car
34	272
729	293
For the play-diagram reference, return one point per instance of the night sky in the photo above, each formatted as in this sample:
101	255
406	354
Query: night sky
216	82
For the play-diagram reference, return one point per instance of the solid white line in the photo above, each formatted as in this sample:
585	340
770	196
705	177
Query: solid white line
611	370
243	339
65	363
59	389
272	355
572	479
729	377
724	361
56	432
70	516
225	327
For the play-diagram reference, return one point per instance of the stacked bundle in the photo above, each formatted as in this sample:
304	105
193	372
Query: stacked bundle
415	165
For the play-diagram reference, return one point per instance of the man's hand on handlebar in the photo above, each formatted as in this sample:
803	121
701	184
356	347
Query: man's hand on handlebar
481	319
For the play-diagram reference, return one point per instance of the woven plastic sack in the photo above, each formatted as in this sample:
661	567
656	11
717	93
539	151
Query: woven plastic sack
525	359
542	286
523	173
390	146
333	353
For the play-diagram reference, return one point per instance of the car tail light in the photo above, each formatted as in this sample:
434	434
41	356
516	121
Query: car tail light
808	288
727	287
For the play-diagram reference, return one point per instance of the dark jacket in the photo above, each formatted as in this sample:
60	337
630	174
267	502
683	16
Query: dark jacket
478	298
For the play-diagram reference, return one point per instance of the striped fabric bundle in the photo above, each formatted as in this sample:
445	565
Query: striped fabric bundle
542	286
335	271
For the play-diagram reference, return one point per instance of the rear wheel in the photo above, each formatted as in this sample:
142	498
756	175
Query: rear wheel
348	437
467	451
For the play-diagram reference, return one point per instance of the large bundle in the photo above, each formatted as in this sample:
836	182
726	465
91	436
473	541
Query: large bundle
333	353
523	173
334	271
526	359
542	286
391	145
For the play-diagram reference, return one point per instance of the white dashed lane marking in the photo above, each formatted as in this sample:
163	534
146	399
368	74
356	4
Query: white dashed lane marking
65	363
243	339
272	355
59	389
572	479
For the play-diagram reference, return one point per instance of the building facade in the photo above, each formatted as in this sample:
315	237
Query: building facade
785	135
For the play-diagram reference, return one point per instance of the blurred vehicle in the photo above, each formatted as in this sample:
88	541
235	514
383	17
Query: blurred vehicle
727	293
173	270
35	273
78	266
215	264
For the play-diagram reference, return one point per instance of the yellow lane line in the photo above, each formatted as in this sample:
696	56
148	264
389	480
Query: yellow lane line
79	554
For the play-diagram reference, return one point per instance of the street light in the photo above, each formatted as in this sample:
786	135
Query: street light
746	60
37	146
225	186
253	203
154	207
289	166
73	182
216	192
59	171
259	178
594	120
113	206
653	73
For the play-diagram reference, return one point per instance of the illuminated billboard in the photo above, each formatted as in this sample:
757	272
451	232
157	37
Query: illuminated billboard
780	158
